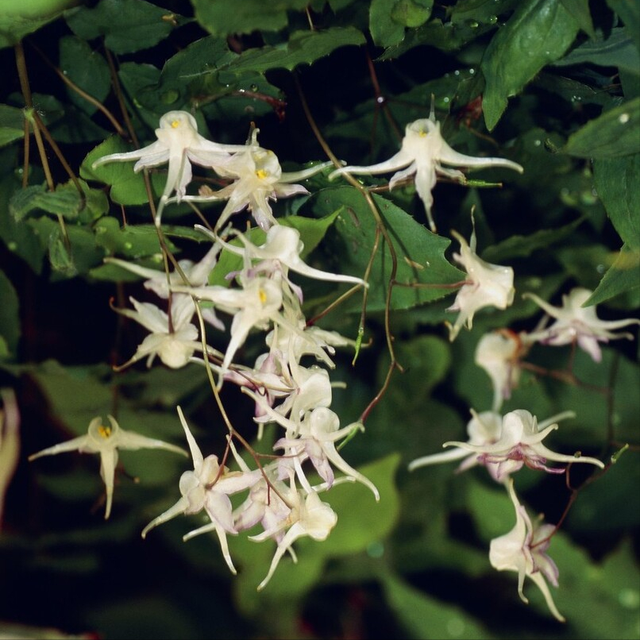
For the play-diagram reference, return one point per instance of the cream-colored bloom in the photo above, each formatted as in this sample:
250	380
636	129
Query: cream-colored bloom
308	516
524	550
424	152
281	249
520	443
257	178
106	441
486	285
207	488
575	323
498	353
173	339
179	144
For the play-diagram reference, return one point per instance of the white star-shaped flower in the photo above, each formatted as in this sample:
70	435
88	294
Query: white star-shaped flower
575	323
179	144
524	550
423	153
106	441
487	285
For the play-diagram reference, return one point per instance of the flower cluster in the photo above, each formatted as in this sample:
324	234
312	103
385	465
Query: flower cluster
504	444
290	383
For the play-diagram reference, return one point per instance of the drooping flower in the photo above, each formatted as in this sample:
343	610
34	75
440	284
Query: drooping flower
575	323
207	488
174	338
308	516
106	441
256	304
520	443
423	153
257	178
487	285
281	249
179	144
498	353
483	429
524	550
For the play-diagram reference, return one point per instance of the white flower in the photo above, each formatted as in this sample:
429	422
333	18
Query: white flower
575	323
523	550
315	436
520	443
308	516
179	144
174	339
423	153
106	441
258	177
255	305
207	487
483	429
498	353
282	249
487	285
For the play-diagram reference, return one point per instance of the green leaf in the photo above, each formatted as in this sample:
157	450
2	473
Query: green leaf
517	246
131	241
63	201
538	32
617	50
615	133
127	25
425	617
19	19
420	253
629	11
11	124
303	47
87	69
127	187
9	317
362	521
616	181
384	30
623	276
226	18
411	13
579	9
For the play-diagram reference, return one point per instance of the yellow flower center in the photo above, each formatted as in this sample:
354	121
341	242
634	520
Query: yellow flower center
262	174
105	432
263	296
422	134
175	124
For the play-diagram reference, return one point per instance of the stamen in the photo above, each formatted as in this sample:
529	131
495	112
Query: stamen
105	432
175	124
262	174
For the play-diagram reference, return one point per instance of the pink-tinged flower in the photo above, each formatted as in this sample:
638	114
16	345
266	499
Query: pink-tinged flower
308	516
498	353
483	429
423	154
519	443
179	144
524	550
486	285
106	441
207	488
575	323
